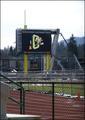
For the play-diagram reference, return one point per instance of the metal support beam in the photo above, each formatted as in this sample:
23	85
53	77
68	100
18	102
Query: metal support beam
54	50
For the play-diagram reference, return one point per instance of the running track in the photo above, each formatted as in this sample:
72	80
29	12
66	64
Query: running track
41	104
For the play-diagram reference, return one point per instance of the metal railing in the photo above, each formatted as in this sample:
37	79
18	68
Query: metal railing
52	91
53	79
22	92
66	75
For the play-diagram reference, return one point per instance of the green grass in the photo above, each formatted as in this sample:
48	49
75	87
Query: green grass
59	88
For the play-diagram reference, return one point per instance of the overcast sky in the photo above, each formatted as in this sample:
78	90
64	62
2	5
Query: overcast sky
66	15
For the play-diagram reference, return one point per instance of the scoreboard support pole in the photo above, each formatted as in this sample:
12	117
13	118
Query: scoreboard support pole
44	62
47	61
25	54
25	63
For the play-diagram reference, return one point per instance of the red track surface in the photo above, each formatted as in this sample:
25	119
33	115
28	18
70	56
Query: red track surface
41	104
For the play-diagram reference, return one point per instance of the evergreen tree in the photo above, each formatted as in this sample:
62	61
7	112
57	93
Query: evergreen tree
72	46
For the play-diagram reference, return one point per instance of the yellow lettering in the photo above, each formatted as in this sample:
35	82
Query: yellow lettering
36	41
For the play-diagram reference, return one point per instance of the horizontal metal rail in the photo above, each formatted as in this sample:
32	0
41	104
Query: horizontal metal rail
1	75
45	75
49	82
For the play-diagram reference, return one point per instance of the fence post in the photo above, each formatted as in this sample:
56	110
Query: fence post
21	93
71	83
22	100
52	101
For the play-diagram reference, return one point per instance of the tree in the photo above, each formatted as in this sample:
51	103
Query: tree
72	50
12	51
72	46
81	51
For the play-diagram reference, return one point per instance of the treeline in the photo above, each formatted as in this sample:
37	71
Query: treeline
65	53
64	50
67	50
8	52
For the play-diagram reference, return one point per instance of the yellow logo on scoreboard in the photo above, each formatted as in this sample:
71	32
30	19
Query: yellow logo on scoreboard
36	42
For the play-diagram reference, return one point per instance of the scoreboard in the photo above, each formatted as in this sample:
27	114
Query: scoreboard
33	40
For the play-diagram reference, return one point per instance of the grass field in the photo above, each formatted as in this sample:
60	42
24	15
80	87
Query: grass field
62	88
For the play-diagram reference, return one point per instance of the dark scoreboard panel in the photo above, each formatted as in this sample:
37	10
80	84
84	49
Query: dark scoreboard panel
33	40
